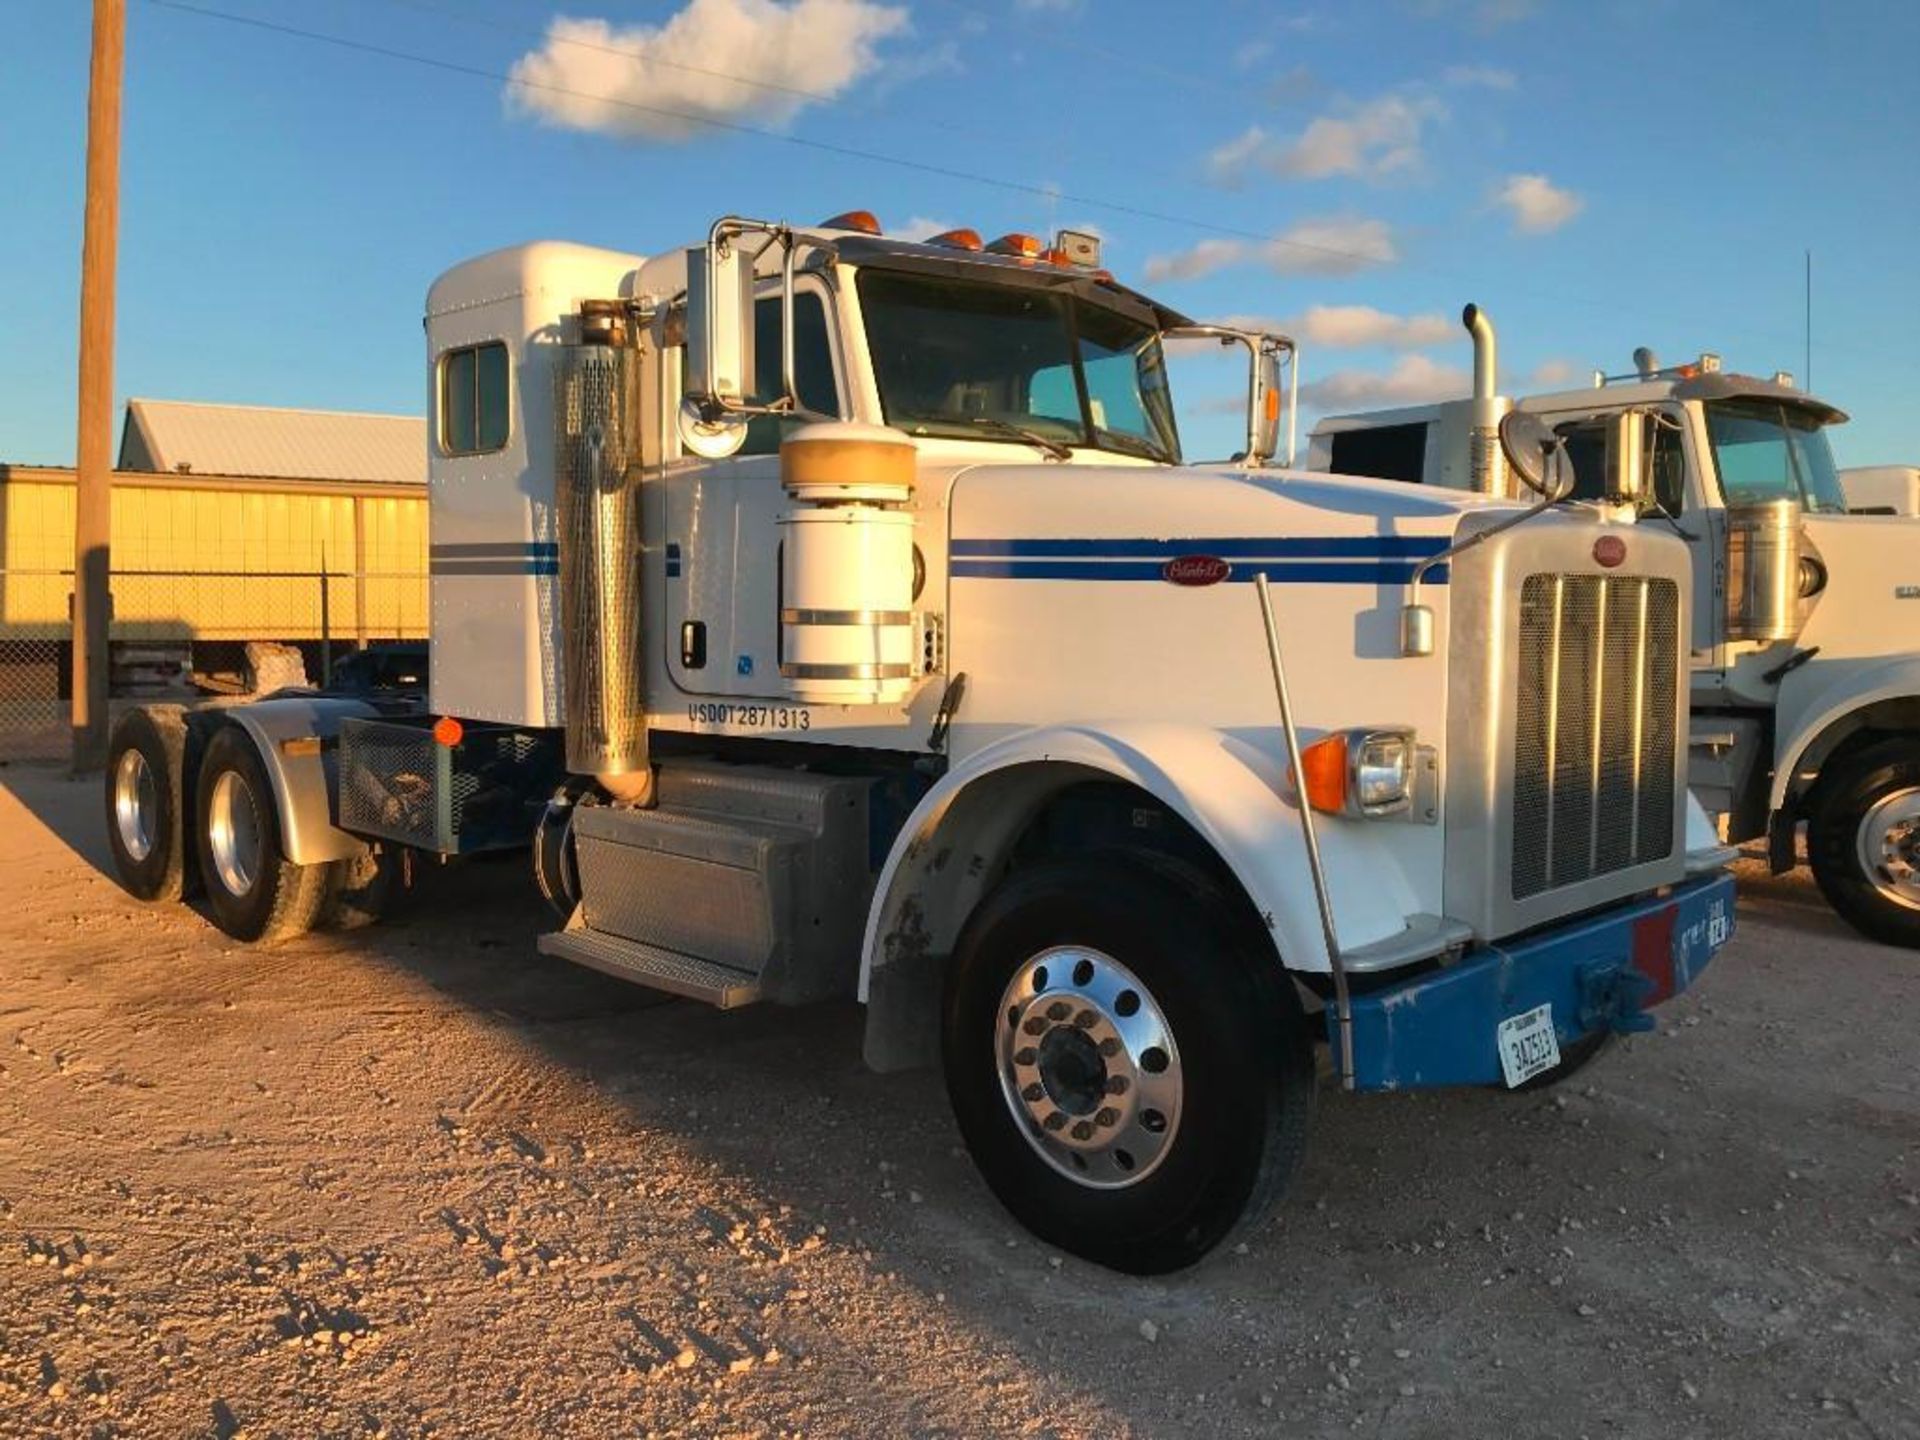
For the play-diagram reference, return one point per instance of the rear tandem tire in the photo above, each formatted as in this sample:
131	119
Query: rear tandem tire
253	890
1065	983
146	832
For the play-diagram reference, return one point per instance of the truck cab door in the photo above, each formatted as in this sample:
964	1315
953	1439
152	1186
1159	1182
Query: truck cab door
721	534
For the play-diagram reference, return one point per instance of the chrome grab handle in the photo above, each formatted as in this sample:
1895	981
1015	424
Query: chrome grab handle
1342	1007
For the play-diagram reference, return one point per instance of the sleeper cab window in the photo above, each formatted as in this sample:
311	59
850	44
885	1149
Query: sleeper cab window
473	399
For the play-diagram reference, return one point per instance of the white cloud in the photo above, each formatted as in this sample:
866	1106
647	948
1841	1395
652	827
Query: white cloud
1056	6
1227	164
920	228
725	60
1373	141
1251	53
1413	380
1539	207
1354	327
1547	375
1483	77
1330	245
1202	259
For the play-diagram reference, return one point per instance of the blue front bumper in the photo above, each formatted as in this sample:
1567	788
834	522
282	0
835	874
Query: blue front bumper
1601	972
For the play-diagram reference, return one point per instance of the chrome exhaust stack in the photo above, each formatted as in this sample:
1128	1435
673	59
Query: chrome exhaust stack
597	504
1486	464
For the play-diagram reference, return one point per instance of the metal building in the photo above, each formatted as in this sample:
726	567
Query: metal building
230	523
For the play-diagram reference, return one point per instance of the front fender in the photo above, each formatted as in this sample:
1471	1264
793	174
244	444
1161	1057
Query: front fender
1226	786
1808	712
304	777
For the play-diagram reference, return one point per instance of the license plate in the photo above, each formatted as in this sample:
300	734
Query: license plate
1527	1044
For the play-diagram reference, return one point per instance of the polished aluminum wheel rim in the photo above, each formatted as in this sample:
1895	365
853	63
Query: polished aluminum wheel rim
233	833
1888	843
136	797
1088	1067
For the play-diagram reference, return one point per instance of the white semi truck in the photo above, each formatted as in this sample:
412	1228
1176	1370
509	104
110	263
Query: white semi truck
1806	662
1882	489
831	615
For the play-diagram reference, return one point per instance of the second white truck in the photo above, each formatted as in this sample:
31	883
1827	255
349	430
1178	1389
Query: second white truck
1805	636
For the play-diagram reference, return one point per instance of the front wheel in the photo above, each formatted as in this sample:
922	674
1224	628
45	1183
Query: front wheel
1133	1078
1864	841
253	890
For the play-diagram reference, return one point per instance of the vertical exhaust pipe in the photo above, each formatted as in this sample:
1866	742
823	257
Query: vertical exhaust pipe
1486	465
598	504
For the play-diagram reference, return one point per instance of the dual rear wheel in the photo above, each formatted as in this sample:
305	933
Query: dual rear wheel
225	838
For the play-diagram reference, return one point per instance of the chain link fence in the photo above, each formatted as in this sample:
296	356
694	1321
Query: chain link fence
182	634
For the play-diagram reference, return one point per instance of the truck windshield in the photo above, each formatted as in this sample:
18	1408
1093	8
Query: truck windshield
960	358
1765	450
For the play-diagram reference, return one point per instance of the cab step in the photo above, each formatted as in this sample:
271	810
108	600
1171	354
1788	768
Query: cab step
718	985
743	883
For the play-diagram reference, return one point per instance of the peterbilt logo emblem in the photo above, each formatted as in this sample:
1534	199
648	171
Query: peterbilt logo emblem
1609	551
1195	570
1906	592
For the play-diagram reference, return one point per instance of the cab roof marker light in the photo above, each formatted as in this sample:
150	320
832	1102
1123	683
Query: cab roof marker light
1026	247
961	239
860	220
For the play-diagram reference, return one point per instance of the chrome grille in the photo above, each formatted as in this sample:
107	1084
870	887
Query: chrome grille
1595	735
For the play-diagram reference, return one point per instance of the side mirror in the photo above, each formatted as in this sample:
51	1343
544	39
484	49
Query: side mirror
1265	403
1627	458
720	322
1535	453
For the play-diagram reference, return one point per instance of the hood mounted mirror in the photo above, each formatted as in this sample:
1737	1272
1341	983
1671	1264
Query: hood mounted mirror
1536	454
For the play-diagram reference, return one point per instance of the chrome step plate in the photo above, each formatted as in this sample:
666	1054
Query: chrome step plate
718	985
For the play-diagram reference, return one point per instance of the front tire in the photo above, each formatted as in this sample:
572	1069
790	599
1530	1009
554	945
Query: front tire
1864	841
1130	1070
253	890
146	761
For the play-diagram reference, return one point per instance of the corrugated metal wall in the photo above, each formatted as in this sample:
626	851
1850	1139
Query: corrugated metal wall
222	559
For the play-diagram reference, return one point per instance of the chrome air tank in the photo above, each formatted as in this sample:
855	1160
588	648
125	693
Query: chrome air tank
1763	570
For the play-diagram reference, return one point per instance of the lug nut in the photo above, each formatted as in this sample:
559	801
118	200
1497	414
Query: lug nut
1059	1010
1025	1055
1116	1085
1083	1131
1107	1117
1086	1020
1035	1024
1110	1047
1033	1092
1055	1121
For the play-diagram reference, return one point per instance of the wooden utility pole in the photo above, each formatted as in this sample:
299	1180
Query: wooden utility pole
93	493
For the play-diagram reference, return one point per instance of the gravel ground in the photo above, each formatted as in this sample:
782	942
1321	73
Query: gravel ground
417	1180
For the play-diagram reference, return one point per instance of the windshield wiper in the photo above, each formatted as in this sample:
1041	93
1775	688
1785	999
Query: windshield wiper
1130	445
1033	437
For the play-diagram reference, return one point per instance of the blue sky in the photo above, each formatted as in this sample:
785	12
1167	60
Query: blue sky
1599	176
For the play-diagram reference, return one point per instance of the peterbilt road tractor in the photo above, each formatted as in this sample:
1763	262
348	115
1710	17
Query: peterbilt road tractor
1805	684
828	615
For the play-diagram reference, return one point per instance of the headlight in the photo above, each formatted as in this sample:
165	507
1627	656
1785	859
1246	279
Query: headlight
1382	771
1363	773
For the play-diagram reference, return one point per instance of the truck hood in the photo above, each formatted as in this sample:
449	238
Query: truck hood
1871	603
1214	501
